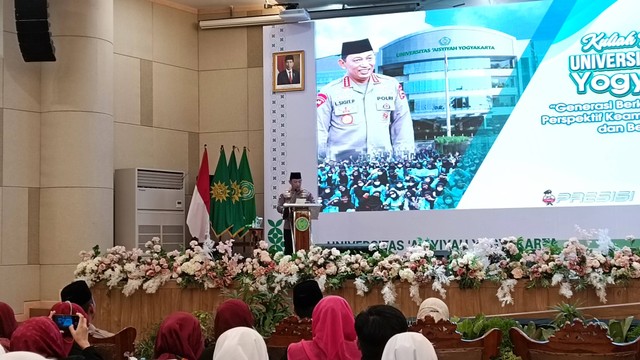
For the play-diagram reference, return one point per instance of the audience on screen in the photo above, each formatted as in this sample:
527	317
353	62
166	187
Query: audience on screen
428	180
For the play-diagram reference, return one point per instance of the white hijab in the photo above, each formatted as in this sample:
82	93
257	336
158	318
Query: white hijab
240	343
20	355
409	346
435	308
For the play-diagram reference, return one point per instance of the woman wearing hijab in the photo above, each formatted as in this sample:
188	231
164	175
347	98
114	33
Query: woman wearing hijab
409	346
334	335
69	308
21	355
240	343
231	314
435	308
8	324
179	337
42	336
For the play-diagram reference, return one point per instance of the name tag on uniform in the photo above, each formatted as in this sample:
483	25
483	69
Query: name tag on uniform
385	103
344	106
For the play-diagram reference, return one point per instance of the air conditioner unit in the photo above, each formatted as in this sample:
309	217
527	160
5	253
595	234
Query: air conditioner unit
149	203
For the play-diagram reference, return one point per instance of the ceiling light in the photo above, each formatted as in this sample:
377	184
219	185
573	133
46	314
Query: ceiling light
286	16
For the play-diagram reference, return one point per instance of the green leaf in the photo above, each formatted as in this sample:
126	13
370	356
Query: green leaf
271	223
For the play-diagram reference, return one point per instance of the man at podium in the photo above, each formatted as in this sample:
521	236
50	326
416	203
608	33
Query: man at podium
295	194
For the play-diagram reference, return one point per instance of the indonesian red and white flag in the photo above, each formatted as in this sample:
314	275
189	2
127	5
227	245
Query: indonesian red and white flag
198	216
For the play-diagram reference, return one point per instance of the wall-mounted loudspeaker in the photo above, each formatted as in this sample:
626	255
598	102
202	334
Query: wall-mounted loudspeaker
32	25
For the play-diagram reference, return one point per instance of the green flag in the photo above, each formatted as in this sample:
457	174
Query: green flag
221	196
235	206
248	191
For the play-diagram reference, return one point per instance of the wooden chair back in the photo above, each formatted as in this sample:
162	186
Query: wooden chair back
114	347
290	330
572	341
450	345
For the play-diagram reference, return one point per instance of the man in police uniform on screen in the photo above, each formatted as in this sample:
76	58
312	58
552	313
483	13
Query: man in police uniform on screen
290	196
362	112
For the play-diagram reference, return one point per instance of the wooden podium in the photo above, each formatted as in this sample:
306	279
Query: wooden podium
300	216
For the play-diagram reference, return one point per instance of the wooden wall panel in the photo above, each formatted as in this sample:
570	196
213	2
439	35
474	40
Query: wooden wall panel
141	310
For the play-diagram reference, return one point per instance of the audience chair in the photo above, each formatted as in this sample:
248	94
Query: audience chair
574	341
450	345
288	331
114	347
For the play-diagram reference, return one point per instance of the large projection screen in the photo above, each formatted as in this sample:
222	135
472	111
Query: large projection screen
524	120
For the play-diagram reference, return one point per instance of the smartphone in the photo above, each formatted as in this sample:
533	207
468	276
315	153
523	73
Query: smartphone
64	321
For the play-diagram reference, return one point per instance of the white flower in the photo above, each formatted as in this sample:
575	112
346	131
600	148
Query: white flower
556	279
505	290
565	290
414	292
383	245
407	274
389	293
361	287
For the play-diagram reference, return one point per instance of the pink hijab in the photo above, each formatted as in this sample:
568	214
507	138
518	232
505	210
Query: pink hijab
334	334
8	324
179	334
39	335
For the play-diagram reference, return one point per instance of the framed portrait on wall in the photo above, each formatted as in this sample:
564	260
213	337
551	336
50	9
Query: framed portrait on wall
288	71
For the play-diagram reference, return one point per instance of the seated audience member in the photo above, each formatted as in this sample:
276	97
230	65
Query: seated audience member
42	336
240	343
409	346
230	314
375	326
435	308
334	336
306	295
21	355
179	337
8	324
78	292
69	308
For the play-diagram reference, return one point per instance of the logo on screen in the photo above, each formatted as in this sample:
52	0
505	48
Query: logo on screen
444	41
579	197
548	198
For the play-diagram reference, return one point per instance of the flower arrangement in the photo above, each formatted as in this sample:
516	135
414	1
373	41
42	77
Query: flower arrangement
573	267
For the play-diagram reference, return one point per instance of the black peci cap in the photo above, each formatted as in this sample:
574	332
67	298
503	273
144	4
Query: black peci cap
77	292
295	176
355	47
306	295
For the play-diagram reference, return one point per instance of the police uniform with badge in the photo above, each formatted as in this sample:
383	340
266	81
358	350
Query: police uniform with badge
370	117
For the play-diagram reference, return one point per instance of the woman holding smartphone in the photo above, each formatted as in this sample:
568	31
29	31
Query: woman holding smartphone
42	335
